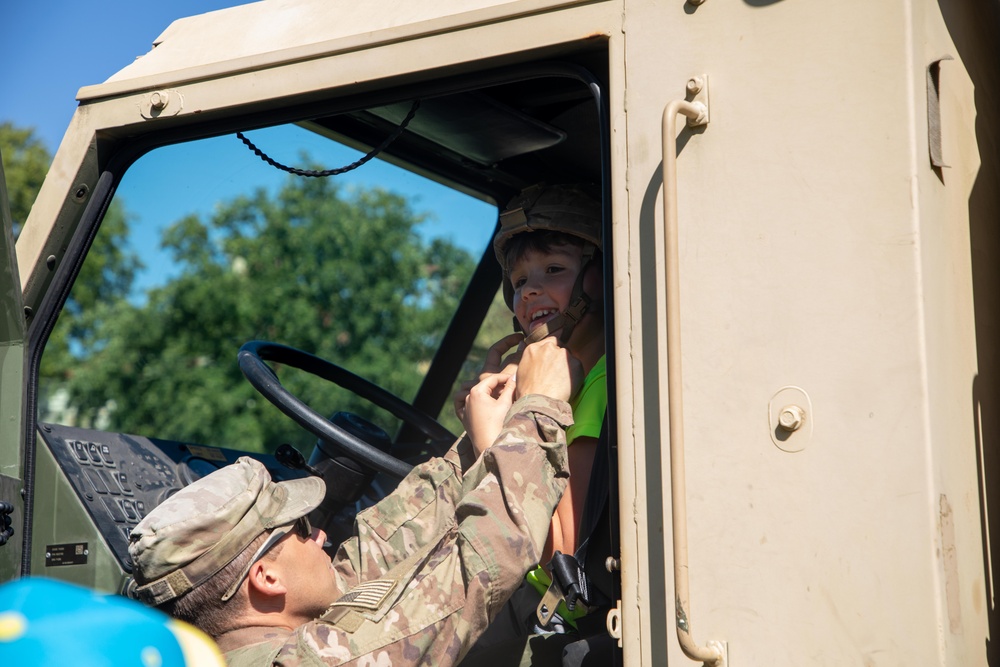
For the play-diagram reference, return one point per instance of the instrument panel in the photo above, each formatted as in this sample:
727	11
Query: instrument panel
119	478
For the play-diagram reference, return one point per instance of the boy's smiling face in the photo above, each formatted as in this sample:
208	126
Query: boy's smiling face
543	283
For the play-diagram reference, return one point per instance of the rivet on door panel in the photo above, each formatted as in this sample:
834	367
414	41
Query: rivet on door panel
790	419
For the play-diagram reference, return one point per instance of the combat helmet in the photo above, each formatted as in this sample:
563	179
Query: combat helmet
568	209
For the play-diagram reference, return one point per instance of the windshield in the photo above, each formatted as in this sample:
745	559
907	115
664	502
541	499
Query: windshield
206	247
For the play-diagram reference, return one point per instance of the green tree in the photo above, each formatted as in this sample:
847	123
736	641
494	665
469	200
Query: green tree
105	277
344	277
25	162
110	268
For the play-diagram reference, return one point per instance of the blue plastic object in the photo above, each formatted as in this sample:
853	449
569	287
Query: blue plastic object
46	622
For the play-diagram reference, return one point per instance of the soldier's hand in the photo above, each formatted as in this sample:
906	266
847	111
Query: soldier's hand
485	408
549	369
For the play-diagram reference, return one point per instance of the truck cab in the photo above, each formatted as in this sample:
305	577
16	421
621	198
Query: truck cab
800	280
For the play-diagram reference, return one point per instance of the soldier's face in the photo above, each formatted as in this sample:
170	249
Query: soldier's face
308	575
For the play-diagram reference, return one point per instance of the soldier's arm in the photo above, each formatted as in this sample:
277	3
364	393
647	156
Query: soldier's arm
439	600
425	503
414	515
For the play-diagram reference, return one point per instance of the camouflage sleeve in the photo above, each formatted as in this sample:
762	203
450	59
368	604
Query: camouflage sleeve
415	514
439	599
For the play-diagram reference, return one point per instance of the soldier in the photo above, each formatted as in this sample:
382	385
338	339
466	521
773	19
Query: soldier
429	566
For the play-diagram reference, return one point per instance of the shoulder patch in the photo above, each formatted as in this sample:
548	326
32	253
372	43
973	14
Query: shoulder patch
369	595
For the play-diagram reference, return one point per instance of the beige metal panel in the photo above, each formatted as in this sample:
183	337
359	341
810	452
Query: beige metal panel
948	292
635	626
972	26
800	265
265	34
56	212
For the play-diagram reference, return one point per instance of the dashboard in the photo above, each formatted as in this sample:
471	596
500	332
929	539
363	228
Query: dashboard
119	478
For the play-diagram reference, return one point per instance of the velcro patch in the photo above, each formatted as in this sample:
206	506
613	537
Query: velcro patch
369	595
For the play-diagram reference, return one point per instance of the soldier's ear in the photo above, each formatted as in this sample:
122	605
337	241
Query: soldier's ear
265	579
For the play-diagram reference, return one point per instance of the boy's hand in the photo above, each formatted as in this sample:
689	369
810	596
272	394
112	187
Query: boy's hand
495	363
549	369
485	408
546	368
495	360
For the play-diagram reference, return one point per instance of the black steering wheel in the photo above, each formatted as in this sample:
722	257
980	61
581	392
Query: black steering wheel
252	358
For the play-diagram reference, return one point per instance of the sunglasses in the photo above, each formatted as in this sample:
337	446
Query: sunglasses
303	527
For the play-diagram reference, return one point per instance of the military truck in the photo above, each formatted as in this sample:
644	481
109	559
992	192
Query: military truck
801	259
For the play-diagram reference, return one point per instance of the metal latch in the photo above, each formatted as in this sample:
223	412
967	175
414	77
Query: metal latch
6	530
614	622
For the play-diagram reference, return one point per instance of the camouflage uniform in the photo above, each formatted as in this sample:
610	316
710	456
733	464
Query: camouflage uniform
432	564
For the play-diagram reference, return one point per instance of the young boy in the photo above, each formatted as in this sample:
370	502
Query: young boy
549	246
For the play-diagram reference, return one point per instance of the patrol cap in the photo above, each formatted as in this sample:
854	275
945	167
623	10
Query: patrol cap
198	531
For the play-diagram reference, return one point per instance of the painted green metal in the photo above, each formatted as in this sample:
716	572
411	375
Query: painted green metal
10	553
60	518
11	386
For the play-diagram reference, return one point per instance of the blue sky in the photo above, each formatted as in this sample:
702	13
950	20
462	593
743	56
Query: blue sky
52	48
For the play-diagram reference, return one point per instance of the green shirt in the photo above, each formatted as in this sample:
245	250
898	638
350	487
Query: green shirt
590	403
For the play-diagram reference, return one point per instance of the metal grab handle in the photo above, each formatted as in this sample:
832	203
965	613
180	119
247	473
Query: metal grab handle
714	653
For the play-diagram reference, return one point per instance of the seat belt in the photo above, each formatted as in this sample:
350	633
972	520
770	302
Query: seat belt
583	578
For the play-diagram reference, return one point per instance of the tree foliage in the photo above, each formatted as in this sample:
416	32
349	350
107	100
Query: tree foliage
344	276
110	267
25	162
106	276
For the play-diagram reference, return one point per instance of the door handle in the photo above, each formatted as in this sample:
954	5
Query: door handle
696	111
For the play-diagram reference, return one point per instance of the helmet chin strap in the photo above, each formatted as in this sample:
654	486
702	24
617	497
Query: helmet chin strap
563	323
